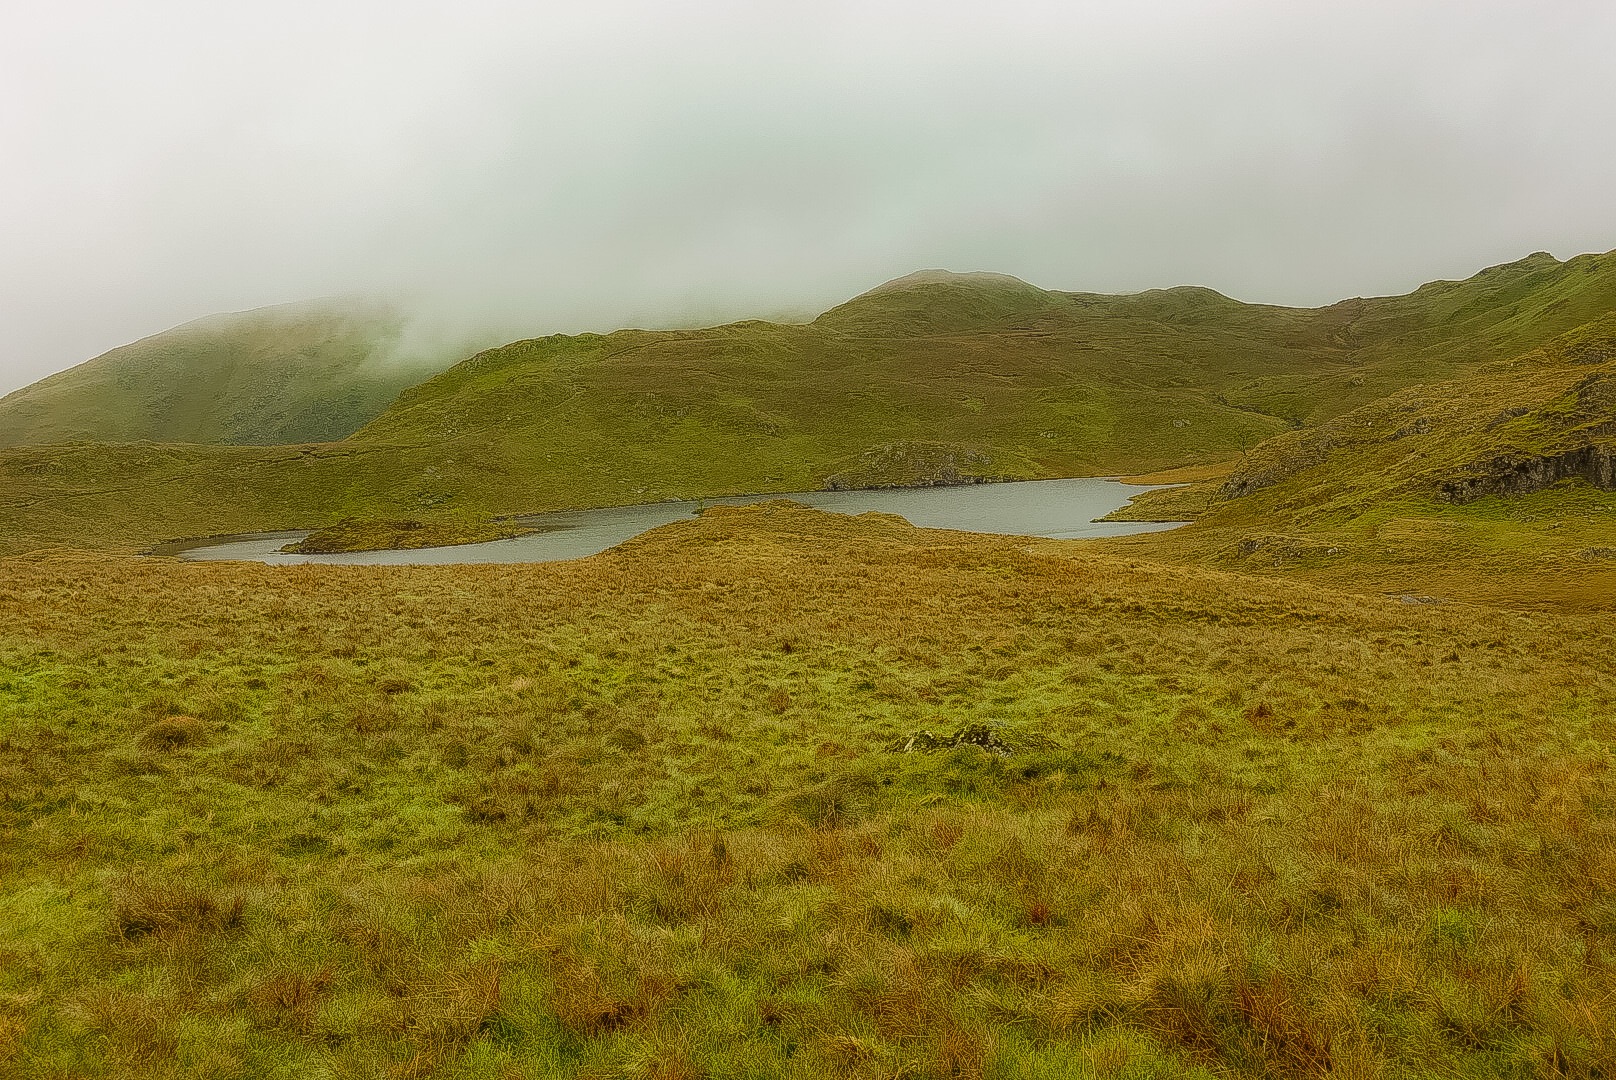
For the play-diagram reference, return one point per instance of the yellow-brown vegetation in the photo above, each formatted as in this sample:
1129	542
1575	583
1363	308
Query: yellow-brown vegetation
640	815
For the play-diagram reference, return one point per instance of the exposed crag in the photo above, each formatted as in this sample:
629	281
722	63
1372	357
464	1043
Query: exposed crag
1521	475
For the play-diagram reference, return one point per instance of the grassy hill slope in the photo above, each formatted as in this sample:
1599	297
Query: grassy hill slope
1440	330
293	373
1497	485
990	375
931	378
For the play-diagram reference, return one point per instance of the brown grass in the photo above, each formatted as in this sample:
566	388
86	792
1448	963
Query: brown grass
546	820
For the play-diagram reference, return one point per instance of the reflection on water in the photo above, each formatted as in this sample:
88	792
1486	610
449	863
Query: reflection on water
1054	508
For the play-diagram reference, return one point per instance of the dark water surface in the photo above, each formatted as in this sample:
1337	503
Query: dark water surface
1054	508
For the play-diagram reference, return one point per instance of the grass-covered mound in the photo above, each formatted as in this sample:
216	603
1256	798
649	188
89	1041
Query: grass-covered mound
354	534
648	814
294	373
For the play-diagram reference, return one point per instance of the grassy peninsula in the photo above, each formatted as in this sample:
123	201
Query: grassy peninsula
353	534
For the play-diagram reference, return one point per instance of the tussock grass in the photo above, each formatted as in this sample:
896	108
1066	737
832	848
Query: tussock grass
638	815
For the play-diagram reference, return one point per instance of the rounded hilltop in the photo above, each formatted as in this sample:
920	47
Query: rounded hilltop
977	278
933	301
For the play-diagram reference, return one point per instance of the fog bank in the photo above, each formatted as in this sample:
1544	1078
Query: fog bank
516	169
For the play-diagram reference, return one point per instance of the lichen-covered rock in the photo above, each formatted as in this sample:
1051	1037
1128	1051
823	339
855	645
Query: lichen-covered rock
1521	474
979	735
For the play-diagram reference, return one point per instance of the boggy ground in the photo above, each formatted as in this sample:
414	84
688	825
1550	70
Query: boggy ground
637	815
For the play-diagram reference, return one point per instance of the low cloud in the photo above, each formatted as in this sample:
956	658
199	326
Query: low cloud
516	169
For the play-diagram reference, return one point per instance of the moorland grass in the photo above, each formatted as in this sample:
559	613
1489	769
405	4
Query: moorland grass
640	815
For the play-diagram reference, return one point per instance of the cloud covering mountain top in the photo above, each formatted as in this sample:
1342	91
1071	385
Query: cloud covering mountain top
513	169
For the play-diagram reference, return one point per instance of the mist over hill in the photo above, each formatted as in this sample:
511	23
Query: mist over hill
305	372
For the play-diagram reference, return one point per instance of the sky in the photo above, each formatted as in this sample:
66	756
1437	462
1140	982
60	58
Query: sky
508	169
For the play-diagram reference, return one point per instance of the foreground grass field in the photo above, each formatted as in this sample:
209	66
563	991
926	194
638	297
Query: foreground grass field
641	815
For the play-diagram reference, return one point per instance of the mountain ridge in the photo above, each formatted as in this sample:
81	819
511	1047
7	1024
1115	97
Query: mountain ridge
1019	383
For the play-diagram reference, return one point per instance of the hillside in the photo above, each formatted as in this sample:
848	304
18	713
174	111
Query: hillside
775	792
985	370
1496	485
932	378
293	373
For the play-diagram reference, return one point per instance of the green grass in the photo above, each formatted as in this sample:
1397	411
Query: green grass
773	792
650	814
294	373
638	815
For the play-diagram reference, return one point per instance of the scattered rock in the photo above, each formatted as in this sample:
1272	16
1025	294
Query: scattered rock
1280	458
1599	553
1507	415
980	735
1590	353
1282	549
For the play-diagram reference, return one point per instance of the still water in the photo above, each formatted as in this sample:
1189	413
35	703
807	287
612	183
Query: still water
1054	508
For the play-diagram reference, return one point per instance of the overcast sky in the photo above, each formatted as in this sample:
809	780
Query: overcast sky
534	167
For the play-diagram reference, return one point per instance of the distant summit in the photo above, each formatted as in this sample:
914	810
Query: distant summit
976	278
938	301
942	351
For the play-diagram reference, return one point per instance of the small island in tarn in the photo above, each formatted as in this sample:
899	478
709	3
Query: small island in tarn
356	534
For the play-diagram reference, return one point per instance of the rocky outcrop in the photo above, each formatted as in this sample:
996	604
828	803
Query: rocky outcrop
1591	352
1277	550
1585	419
1279	459
1521	474
979	735
1447	445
